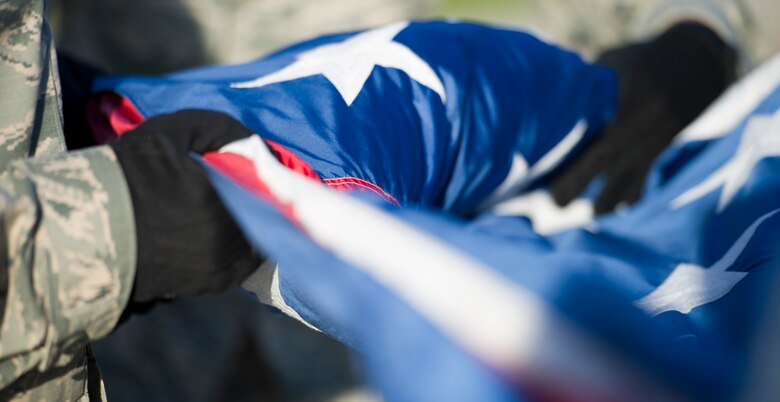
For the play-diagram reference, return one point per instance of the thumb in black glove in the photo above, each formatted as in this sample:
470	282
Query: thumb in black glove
188	244
664	84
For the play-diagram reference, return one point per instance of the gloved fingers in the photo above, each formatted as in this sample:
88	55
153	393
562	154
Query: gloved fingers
216	260
245	263
620	187
238	261
577	173
664	83
212	130
195	130
625	179
568	185
188	243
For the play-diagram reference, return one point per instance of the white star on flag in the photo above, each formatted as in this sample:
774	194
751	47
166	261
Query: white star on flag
761	139
348	64
520	174
690	286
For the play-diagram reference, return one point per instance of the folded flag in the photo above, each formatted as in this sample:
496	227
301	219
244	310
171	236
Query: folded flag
658	302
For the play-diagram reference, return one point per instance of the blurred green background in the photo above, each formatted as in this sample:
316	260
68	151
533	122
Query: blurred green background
498	11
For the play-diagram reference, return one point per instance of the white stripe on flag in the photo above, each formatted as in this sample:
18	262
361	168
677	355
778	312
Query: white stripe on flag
499	323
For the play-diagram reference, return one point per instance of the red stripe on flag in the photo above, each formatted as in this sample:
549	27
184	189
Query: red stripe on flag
242	171
112	115
292	161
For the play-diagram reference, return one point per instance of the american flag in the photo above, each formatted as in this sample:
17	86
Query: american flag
440	274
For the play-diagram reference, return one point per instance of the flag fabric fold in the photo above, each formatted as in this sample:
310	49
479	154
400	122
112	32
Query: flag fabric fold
660	301
449	115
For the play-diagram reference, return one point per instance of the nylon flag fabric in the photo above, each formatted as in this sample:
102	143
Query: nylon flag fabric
660	302
447	115
441	120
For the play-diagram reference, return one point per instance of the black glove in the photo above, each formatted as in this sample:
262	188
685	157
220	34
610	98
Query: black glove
188	244
664	84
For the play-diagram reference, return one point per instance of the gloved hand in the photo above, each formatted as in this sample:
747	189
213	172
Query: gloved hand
664	84
188	244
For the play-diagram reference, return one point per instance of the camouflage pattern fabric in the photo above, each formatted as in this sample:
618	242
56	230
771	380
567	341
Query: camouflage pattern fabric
67	241
30	117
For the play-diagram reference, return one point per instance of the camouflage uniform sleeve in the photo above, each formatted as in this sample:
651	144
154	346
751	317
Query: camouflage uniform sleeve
30	110
67	238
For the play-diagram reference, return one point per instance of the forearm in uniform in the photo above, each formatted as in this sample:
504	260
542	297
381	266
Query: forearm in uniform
69	251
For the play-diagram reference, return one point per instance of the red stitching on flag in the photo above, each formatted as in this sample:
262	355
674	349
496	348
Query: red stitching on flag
354	183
